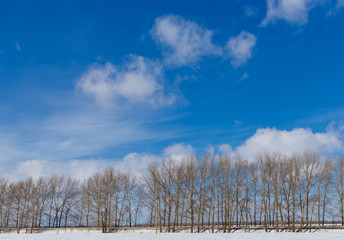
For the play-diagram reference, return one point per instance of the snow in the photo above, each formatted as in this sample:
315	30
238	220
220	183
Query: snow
173	236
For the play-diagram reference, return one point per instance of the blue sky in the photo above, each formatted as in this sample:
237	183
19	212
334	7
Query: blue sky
85	84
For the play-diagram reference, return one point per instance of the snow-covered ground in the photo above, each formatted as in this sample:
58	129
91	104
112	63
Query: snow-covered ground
333	235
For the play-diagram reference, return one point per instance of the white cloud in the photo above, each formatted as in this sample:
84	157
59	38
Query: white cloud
227	150
18	46
137	163
298	140
41	168
32	168
340	3
80	133
183	42
292	11
7	147
178	151
243	77
250	11
336	8
237	123
240	48
138	81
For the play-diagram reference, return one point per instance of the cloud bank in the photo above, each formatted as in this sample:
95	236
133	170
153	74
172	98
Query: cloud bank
135	163
298	140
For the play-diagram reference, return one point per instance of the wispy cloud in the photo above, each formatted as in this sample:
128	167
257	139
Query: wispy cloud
340	3
237	123
82	132
336	8
18	46
249	11
243	77
298	140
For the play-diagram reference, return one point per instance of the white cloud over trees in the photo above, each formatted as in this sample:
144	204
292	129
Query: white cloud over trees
264	140
298	140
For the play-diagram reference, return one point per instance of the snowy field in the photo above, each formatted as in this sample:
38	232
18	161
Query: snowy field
174	236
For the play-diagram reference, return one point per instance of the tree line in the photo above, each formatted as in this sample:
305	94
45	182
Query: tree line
213	193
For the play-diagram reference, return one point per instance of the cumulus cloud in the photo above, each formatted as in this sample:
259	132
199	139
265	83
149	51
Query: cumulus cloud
138	81
137	163
183	42
240	48
178	151
292	11
298	140
227	150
